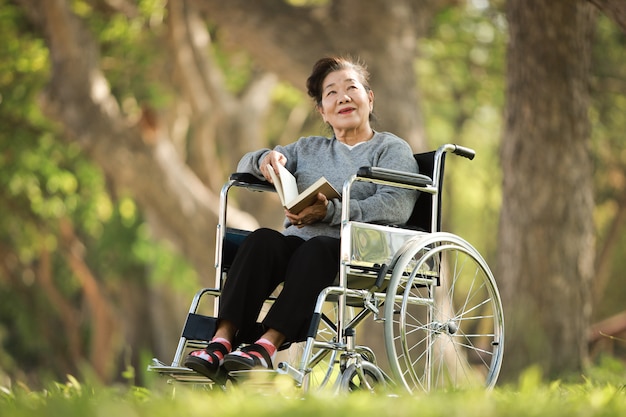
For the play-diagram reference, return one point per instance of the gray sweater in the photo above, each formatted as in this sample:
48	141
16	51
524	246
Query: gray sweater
311	157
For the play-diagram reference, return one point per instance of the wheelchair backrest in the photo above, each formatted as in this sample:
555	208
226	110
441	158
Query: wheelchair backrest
421	217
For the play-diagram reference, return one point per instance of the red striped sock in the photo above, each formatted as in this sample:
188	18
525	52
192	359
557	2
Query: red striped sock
269	346
226	344
265	344
204	355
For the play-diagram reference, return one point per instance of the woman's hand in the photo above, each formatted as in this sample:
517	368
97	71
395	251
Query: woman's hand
271	161
312	214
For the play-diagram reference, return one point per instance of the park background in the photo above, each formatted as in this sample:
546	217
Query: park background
120	121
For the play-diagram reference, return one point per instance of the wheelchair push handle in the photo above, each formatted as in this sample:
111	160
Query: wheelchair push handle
464	152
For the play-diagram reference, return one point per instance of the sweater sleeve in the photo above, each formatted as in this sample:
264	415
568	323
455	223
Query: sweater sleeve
250	162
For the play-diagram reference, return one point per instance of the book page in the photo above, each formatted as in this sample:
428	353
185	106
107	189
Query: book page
287	189
289	185
278	185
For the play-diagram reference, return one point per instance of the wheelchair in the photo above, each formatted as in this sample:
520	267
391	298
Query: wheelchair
432	294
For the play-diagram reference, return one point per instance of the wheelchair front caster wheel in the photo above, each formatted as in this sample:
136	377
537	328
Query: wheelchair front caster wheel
365	376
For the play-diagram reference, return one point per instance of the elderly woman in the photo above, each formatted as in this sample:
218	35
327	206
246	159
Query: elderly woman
305	255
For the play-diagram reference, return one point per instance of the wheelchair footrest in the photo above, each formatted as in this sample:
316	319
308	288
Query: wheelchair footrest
255	377
178	373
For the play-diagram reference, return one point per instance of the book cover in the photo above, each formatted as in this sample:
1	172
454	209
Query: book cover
291	199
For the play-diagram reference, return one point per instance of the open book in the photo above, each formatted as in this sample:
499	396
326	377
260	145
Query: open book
287	190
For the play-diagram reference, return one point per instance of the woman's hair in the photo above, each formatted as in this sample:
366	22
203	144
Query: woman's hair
325	66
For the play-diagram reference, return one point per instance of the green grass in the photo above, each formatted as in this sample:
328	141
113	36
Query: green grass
529	397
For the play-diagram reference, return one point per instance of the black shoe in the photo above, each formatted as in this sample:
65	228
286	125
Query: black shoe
235	362
211	370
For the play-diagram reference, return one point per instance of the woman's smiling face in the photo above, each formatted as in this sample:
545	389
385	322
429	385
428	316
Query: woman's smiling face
346	103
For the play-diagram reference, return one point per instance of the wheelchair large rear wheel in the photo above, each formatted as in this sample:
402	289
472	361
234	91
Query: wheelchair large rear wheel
444	325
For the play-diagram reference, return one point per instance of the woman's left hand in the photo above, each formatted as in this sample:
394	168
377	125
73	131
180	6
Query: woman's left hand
312	214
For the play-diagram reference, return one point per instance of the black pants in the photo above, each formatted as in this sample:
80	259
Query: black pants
265	259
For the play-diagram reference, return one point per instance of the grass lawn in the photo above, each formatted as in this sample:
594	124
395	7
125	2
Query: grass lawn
530	396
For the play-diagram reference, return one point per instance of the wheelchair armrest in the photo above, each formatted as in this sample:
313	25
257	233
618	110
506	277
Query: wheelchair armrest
399	177
247	180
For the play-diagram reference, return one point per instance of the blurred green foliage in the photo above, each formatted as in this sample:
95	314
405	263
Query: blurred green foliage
46	182
608	116
461	74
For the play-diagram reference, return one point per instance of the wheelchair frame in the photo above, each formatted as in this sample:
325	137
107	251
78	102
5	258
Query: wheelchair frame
434	338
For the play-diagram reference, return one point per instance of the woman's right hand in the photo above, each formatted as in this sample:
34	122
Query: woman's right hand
271	161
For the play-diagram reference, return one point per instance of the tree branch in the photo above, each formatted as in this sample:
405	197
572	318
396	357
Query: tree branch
614	9
287	40
273	32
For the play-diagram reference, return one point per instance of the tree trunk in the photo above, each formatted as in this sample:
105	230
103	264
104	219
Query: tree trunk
546	237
